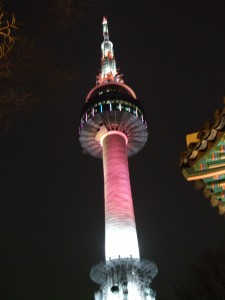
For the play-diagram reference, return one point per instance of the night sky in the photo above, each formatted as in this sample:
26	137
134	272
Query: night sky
172	54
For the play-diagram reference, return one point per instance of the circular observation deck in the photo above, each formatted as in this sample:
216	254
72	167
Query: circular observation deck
112	107
141	271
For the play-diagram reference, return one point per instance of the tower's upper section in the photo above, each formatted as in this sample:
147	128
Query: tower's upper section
108	64
111	106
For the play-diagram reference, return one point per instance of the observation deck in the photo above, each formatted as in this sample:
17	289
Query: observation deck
112	106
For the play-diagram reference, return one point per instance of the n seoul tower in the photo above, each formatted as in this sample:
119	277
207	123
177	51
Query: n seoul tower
112	128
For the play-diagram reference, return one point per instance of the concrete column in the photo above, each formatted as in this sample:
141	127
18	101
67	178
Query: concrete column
120	229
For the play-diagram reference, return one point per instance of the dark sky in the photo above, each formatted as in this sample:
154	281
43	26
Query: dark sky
172	53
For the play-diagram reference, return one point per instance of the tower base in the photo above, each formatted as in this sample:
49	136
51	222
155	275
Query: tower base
125	279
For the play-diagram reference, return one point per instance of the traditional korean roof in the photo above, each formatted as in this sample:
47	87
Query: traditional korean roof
204	160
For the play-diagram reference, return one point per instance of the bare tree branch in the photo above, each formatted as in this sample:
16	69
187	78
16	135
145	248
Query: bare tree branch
7	30
207	280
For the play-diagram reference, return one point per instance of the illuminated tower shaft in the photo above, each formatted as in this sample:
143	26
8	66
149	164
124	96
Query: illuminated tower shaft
112	128
120	229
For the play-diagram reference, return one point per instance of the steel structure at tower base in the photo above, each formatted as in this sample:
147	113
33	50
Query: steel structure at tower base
124	279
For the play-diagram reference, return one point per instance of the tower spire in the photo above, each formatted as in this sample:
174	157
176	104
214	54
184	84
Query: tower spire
108	71
105	29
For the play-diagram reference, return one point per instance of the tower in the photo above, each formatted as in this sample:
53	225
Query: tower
112	128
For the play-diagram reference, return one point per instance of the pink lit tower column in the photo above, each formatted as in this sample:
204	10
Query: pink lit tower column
112	128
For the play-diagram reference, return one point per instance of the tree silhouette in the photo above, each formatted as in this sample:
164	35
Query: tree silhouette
207	280
29	72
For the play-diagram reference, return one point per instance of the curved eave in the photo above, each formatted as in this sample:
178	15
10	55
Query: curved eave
208	140
192	175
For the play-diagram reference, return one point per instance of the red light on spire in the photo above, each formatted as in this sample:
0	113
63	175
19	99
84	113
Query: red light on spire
104	20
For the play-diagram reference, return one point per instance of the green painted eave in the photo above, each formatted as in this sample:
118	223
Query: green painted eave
192	174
